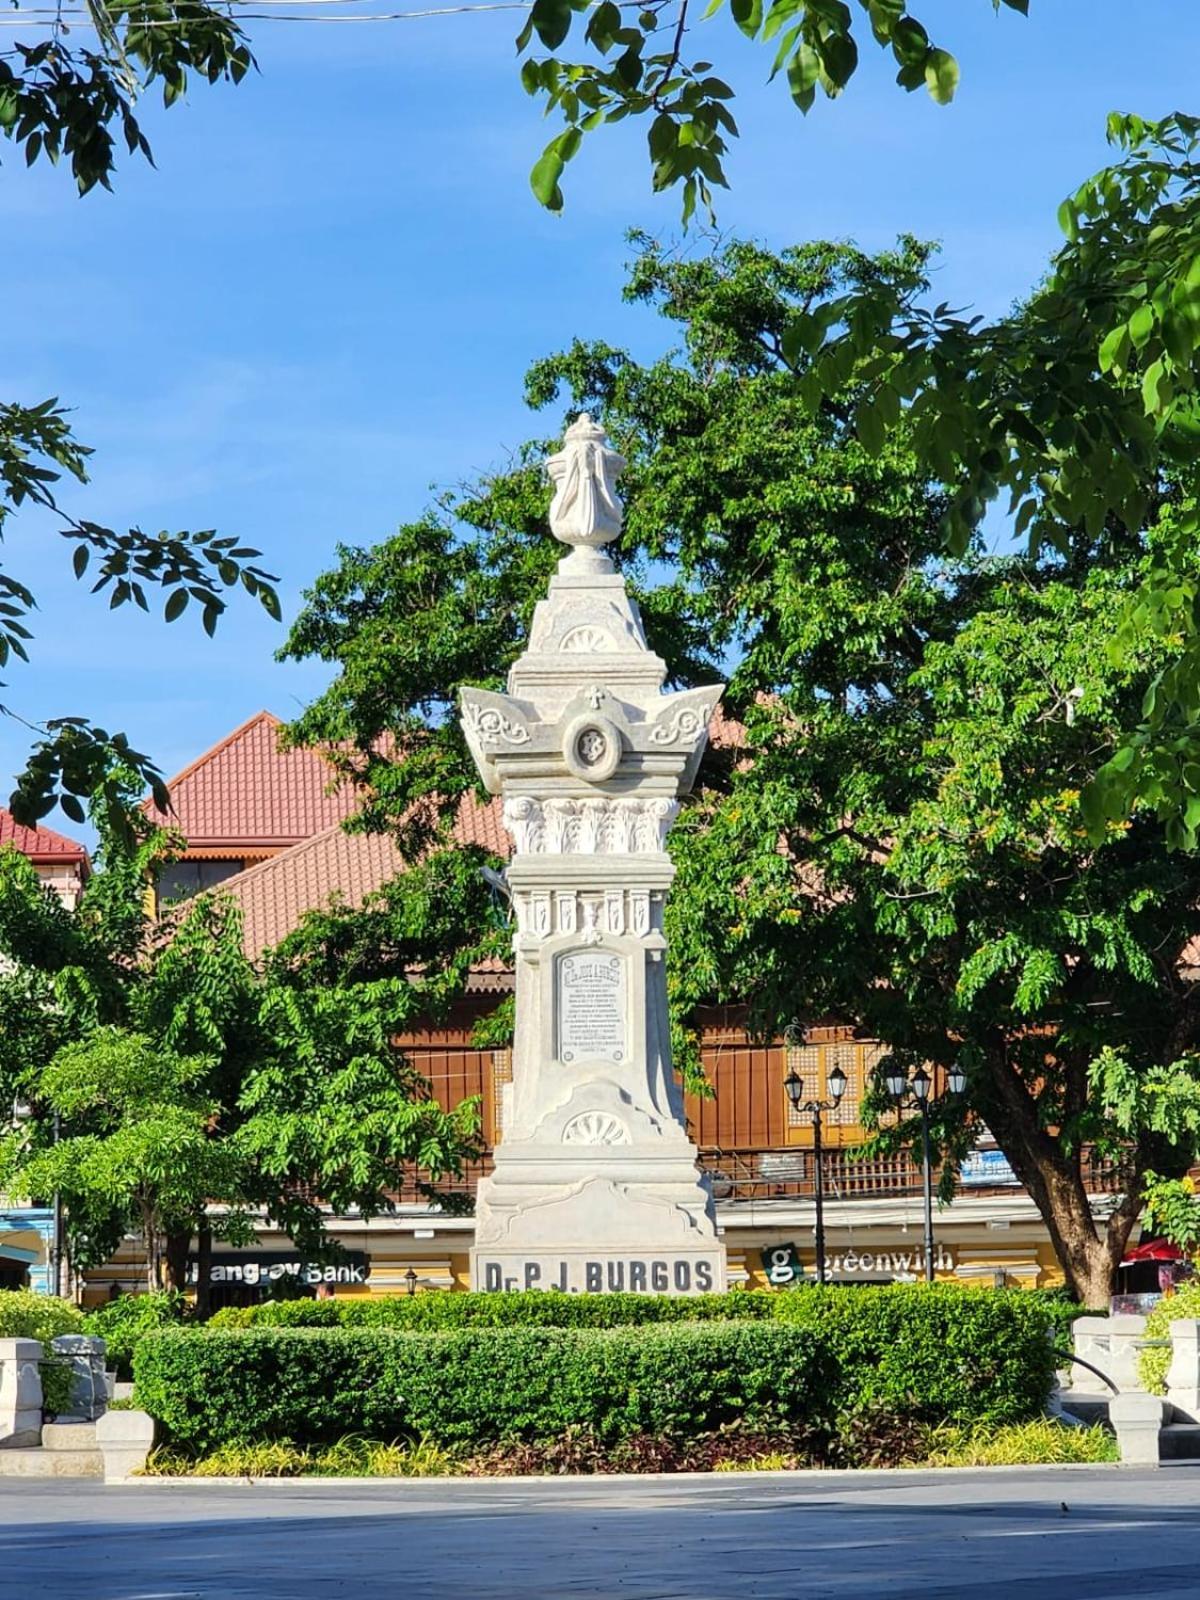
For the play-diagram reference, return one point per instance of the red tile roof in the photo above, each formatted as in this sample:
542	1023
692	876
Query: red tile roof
245	794
42	845
275	894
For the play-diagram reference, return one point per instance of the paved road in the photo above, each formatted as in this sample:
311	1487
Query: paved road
919	1536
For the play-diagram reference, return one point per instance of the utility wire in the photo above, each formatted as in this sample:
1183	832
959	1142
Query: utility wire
41	18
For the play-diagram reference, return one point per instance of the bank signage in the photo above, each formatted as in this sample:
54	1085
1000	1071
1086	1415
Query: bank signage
255	1267
601	1272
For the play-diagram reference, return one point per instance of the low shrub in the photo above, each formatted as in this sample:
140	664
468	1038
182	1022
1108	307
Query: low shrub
441	1309
123	1322
1042	1442
887	1362
25	1315
941	1352
477	1385
1153	1362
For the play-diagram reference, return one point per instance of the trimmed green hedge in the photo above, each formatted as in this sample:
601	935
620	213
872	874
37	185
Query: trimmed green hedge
942	1353
315	1385
951	1353
442	1309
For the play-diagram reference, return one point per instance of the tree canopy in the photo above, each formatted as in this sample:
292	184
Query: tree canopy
901	839
178	1091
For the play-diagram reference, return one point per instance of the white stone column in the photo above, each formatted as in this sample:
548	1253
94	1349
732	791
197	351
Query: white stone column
596	1185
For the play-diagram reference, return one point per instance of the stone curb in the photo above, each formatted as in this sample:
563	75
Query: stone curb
798	1476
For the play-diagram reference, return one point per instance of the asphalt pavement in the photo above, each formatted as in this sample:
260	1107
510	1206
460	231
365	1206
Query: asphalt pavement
1099	1533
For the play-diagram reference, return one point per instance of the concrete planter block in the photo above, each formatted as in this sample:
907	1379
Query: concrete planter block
1091	1341
1125	1337
125	1439
1183	1375
1137	1420
89	1386
20	1393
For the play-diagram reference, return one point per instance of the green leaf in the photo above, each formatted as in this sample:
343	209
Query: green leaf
176	605
551	21
748	16
941	76
868	424
802	74
1141	326
543	180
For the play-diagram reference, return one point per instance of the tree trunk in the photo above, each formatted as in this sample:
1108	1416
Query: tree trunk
175	1260
203	1272
1088	1248
153	1253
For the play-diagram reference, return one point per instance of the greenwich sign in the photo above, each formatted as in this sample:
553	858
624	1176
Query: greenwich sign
783	1266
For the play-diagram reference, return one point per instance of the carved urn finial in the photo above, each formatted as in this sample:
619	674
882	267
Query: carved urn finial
586	509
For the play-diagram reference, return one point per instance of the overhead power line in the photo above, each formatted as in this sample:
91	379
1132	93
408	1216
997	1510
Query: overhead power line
78	17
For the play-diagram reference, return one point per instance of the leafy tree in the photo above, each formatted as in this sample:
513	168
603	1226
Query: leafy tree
637	67
177	1090
919	726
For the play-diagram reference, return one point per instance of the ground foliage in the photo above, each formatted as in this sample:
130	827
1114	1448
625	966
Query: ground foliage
897	832
883	1441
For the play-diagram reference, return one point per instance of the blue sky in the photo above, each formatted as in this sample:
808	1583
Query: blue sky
320	304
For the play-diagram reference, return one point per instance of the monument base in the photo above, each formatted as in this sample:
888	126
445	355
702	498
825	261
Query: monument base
631	1220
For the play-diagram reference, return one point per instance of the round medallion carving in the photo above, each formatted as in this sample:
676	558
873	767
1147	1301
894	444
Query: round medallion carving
595	1127
592	747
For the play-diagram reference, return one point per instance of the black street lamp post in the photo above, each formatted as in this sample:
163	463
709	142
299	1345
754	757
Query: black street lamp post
836	1085
898	1086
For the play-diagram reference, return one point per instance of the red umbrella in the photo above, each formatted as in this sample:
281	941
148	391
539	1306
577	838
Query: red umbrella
1153	1250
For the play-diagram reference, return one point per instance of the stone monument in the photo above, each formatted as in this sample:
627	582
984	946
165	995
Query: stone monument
595	1185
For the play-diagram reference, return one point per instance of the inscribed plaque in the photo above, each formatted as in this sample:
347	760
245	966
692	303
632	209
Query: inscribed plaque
591	1006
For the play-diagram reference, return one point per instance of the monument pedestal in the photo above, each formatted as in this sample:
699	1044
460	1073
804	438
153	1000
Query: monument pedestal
596	1185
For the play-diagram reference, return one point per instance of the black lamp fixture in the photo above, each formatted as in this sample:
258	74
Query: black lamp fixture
900	1086
411	1279
795	1037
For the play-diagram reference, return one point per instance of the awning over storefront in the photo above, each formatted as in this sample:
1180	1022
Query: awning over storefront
23	1246
1152	1250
